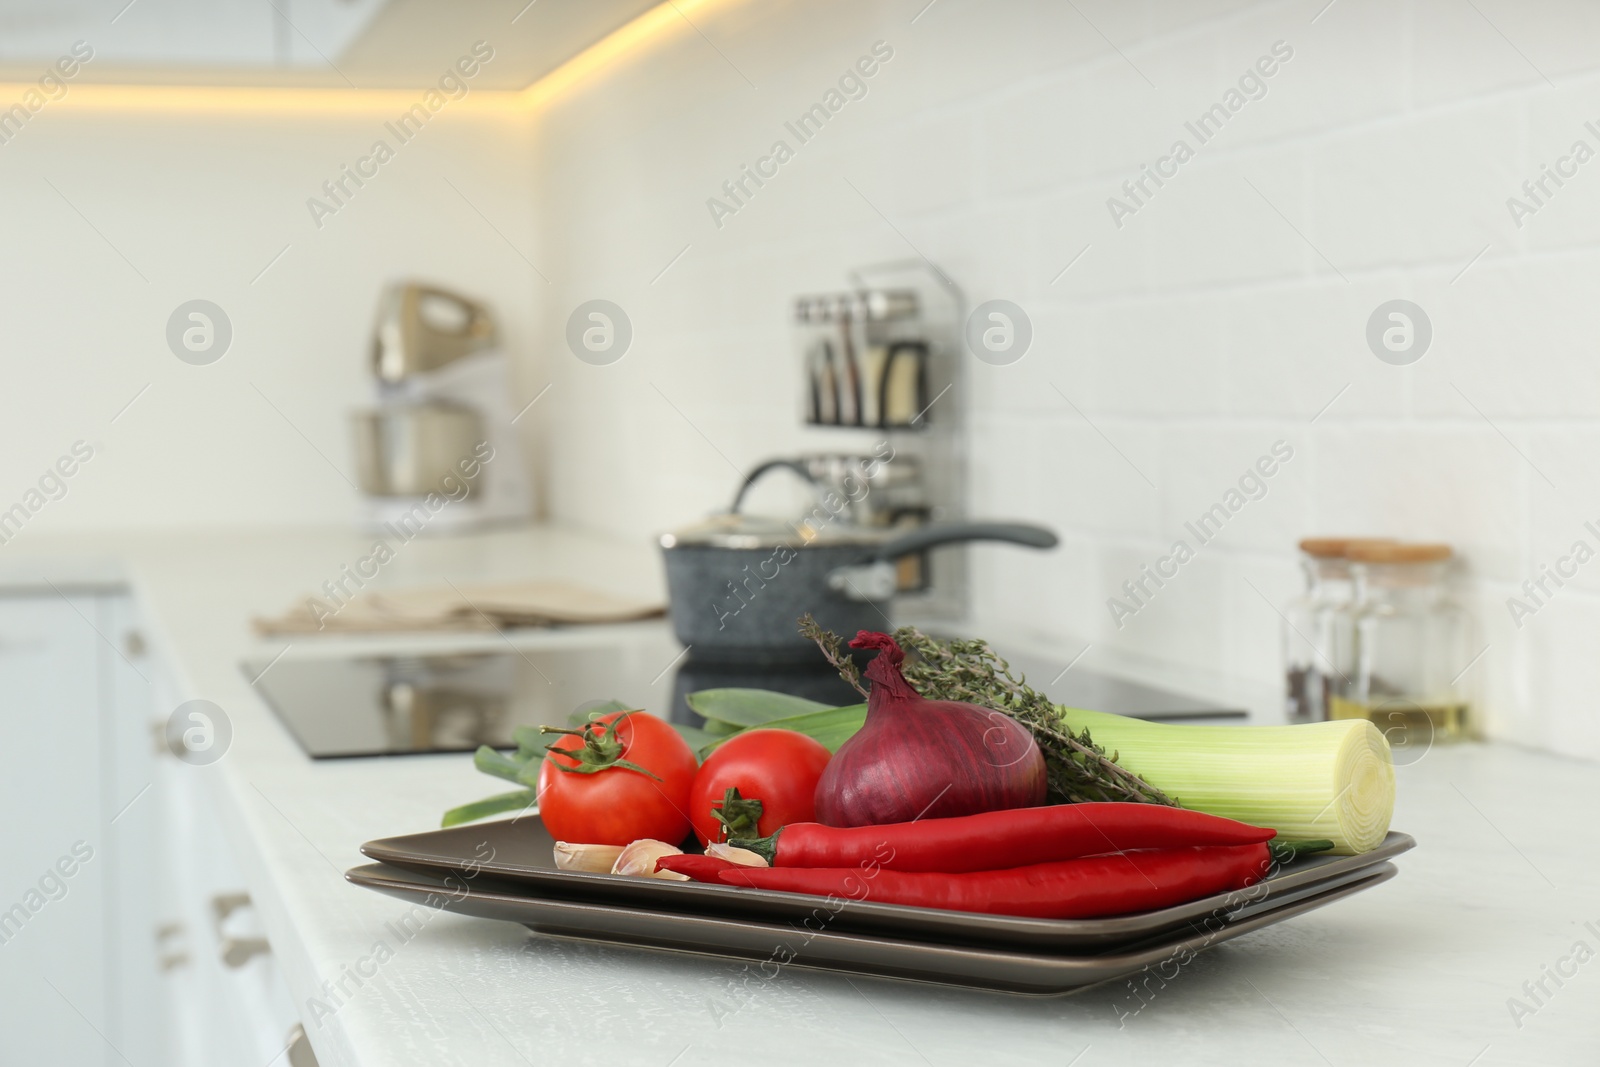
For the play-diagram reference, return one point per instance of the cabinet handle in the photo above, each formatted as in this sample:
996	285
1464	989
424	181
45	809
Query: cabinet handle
299	1048
236	951
225	904
166	935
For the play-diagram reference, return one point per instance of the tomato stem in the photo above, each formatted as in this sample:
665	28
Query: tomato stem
601	750
738	815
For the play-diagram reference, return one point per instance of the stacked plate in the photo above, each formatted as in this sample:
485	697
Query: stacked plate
506	870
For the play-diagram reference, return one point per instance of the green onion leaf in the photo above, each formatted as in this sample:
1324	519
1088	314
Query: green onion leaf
697	738
521	799
749	707
498	764
830	726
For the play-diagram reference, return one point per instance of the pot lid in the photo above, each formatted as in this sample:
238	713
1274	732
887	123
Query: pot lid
764	531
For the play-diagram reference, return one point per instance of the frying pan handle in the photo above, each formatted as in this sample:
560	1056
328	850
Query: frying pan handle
1018	533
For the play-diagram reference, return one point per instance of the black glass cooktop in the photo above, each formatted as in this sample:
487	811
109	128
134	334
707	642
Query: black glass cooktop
339	706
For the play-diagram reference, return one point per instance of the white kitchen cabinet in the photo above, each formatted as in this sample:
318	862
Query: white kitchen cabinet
231	1005
224	1002
54	921
141	951
114	875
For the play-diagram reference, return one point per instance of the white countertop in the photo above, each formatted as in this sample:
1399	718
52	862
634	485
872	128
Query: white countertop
1417	971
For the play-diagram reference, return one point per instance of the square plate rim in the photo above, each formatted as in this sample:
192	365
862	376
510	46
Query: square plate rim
780	905
1057	966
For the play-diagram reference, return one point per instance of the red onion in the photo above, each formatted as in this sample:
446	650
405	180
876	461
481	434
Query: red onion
916	758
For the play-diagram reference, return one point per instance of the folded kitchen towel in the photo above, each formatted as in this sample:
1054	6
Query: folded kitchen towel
457	608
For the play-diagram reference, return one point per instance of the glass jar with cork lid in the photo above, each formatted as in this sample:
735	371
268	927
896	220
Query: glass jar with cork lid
1411	644
1318	630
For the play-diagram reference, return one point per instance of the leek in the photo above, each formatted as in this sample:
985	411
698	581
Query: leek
1332	780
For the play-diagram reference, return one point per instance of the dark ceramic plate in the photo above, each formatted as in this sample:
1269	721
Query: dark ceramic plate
518	854
773	945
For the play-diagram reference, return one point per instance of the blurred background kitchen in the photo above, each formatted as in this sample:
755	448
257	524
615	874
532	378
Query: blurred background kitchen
1174	340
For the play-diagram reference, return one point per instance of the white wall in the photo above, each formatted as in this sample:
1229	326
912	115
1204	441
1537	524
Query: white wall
150	209
1217	320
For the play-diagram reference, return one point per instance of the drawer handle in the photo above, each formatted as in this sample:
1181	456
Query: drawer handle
299	1048
170	953
225	904
235	951
238	951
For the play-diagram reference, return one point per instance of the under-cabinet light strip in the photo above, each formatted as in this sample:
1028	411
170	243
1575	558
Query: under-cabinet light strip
614	48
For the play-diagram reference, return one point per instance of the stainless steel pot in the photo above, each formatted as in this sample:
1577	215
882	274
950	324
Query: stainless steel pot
410	449
737	585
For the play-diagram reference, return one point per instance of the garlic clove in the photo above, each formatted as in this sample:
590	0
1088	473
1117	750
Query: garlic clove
640	859
742	856
596	858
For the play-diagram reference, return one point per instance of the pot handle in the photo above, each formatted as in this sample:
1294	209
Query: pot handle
771	465
1018	533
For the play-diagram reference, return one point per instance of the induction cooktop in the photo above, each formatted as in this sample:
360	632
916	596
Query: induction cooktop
428	700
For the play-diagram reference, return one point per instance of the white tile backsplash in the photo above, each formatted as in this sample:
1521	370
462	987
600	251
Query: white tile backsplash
1412	190
1461	484
1230	310
1073	466
1565	673
1460	51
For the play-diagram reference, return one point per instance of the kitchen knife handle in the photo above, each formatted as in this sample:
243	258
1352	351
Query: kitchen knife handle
916	351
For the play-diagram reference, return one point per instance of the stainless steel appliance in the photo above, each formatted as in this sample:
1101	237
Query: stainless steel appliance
439	450
408	450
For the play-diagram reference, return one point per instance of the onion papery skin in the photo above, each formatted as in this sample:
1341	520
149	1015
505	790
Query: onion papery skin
916	758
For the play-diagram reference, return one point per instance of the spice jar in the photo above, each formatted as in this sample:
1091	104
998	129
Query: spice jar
1318	637
1412	644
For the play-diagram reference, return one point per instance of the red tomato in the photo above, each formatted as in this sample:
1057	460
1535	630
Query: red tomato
617	805
780	768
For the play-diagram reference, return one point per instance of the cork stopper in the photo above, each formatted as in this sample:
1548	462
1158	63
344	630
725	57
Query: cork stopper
1337	547
1397	552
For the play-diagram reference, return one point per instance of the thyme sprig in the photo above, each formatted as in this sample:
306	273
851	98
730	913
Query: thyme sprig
833	650
969	670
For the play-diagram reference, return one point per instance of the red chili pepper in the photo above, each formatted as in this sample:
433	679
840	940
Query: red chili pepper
994	840
1088	888
698	867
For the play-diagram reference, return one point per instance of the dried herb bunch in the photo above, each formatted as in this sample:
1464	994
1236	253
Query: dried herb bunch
969	670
